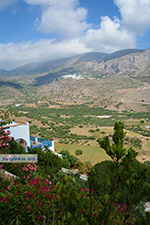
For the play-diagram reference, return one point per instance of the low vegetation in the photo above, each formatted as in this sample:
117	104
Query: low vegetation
115	192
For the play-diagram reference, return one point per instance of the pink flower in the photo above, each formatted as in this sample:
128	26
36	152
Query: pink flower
27	199
80	210
39	217
1	166
8	132
12	182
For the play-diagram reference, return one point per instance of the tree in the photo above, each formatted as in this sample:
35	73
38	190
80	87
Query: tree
121	169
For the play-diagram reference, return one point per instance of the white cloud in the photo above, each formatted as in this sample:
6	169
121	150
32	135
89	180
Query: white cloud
5	3
64	22
14	55
68	19
109	37
65	18
135	14
53	3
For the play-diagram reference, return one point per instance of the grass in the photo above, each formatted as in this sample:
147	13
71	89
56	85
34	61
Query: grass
93	154
132	122
132	134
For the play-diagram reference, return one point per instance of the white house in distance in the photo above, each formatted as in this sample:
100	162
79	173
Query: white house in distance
20	132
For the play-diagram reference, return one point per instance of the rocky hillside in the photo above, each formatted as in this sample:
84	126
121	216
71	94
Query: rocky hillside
120	80
133	62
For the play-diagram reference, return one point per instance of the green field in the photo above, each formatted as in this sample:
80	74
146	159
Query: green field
93	154
78	126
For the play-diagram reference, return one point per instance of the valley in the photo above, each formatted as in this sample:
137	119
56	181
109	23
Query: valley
65	99
74	126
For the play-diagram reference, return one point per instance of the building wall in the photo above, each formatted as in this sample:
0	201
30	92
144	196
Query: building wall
20	131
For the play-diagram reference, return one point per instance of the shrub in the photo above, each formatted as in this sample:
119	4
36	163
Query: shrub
66	141
91	130
4	140
142	121
61	141
71	159
78	152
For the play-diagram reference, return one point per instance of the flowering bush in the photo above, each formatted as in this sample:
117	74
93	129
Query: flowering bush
28	170
39	201
1	166
4	140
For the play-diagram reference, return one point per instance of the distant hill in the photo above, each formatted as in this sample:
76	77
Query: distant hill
39	68
120	80
42	67
10	84
134	62
121	53
4	73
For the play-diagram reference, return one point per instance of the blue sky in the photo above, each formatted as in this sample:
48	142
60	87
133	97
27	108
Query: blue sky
39	30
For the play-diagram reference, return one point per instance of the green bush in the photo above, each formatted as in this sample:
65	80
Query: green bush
66	141
78	152
91	131
71	159
48	162
61	141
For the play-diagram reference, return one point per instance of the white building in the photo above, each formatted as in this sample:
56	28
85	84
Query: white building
20	132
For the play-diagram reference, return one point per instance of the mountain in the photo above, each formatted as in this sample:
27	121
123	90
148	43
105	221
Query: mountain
118	80
10	84
4	73
134	62
43	67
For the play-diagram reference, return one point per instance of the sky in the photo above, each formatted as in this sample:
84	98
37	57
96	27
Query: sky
42	30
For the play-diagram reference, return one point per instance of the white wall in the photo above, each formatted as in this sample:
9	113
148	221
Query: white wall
19	131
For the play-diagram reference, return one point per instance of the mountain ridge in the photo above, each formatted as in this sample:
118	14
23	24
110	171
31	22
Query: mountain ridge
47	66
86	78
